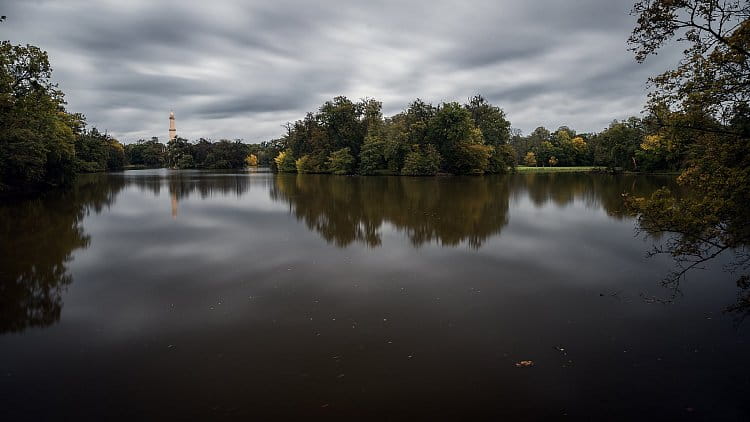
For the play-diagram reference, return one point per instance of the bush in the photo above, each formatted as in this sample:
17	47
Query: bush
311	164
341	162
503	158
420	162
285	162
530	159
472	158
372	156
185	162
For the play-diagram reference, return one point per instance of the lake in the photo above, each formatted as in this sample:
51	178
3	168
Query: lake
159	294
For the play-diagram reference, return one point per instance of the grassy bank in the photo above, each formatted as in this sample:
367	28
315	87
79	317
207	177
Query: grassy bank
579	169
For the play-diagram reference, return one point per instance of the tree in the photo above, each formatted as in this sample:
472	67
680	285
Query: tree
37	135
704	99
616	146
285	162
471	157
453	133
226	154
490	120
96	151
530	159
372	155
502	159
422	161
251	160
341	162
175	149
185	161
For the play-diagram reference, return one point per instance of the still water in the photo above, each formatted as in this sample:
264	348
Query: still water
185	294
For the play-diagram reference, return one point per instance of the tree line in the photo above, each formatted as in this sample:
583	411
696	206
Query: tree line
347	137
633	144
180	153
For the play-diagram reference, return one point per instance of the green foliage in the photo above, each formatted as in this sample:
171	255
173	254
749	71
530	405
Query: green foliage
149	153
422	161
225	155
175	150
185	161
471	158
341	162
96	152
450	130
285	162
372	156
37	135
381	145
502	159
203	154
699	111
490	120
618	144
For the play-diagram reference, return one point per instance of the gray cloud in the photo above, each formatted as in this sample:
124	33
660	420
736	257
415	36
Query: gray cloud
240	69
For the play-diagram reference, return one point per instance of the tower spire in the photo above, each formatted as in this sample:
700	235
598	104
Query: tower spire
172	129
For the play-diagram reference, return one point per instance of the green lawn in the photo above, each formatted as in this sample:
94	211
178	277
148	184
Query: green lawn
579	169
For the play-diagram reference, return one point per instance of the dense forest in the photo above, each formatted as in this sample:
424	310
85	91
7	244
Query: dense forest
179	153
345	137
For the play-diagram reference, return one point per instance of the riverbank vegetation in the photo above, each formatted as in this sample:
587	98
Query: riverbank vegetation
700	109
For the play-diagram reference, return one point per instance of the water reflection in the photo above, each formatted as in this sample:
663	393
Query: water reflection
39	236
449	211
291	297
595	191
37	240
182	184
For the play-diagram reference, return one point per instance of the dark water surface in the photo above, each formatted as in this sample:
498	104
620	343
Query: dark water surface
165	294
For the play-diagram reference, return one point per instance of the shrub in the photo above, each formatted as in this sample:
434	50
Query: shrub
341	162
530	159
420	162
285	162
185	162
502	159
372	155
472	158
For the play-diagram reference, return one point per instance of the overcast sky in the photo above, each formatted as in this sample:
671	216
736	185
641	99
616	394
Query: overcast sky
240	69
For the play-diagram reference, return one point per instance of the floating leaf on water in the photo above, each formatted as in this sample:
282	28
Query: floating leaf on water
524	364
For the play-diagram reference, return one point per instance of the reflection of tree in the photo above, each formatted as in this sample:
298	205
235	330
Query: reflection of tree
37	238
448	210
594	190
182	184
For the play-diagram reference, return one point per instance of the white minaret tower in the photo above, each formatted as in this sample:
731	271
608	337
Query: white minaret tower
172	129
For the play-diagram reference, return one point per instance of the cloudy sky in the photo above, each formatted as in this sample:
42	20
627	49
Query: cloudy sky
240	69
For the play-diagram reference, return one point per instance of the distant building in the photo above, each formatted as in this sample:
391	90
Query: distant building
172	129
